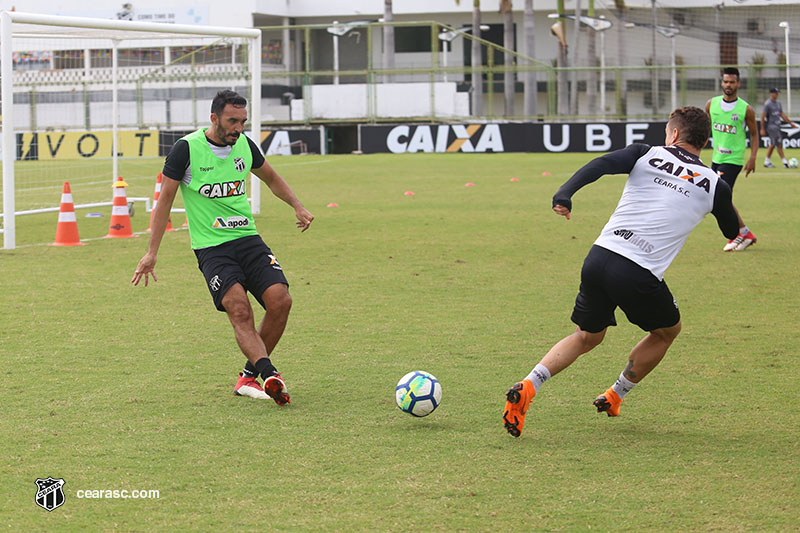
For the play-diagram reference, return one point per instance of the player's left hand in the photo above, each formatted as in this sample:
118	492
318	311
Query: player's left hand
749	167
561	210
304	218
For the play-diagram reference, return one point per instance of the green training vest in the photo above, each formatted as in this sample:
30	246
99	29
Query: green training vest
216	198
727	132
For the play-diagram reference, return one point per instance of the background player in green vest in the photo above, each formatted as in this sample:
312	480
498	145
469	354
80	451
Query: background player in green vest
729	115
211	167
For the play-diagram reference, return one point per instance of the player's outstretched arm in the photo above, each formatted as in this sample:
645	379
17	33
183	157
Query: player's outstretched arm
147	263
281	189
616	162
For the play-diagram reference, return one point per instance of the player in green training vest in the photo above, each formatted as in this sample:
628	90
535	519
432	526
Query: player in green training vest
729	116
211	167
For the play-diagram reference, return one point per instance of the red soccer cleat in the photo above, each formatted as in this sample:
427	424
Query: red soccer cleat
249	387
275	388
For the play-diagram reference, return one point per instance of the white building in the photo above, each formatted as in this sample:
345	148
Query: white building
744	32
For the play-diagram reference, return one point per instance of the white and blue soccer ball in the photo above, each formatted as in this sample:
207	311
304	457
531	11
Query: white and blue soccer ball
792	162
418	393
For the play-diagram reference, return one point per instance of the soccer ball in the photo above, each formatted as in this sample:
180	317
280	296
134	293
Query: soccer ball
793	162
418	393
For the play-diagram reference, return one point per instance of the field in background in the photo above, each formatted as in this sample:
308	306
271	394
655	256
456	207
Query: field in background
114	387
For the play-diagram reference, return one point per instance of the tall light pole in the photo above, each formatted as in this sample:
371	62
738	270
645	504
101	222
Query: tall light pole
598	24
785	26
670	32
340	30
447	36
336	31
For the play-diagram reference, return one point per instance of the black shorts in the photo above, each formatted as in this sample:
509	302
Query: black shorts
608	281
727	172
247	261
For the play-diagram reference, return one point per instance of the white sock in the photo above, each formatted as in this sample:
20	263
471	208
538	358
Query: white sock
744	230
766	161
623	386
538	375
784	161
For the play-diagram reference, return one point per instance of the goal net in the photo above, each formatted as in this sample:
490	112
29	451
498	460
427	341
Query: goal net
86	101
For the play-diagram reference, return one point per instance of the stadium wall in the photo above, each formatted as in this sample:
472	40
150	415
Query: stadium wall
589	137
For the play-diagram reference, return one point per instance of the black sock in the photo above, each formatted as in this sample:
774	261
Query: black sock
265	368
249	370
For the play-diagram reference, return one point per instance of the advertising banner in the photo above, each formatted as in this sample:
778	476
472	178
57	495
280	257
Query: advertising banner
523	137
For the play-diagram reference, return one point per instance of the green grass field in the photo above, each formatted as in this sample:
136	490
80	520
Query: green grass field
115	387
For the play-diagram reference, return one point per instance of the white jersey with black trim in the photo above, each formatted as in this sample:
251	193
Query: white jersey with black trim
667	194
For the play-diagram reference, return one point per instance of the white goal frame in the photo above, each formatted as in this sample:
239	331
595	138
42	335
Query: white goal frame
116	31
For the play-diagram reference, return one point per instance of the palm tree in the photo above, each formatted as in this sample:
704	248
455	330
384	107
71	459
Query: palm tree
388	36
477	77
591	86
573	90
530	94
508	59
561	84
622	90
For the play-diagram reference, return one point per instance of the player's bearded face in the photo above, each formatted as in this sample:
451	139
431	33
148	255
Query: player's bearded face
730	84
230	124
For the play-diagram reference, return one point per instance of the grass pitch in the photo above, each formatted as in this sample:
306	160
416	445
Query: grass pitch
115	387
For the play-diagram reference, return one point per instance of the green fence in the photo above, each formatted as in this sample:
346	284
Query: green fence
351	55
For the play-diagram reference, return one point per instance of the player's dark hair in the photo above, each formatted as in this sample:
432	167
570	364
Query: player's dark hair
732	71
693	123
224	98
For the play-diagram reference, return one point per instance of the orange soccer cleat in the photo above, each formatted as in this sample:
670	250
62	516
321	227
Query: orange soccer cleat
609	402
518	399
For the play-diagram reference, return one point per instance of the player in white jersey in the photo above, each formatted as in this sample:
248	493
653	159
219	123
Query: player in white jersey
668	192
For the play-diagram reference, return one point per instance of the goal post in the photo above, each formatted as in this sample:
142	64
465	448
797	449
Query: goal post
88	80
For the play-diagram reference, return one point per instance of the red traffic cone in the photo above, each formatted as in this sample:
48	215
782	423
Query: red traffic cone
120	226
67	229
155	203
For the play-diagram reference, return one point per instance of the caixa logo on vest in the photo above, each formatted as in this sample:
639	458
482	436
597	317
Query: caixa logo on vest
223	190
49	495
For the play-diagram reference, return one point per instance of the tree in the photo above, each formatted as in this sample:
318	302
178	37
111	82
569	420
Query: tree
573	89
591	86
622	90
508	59
561	83
477	76
477	62
388	36
530	95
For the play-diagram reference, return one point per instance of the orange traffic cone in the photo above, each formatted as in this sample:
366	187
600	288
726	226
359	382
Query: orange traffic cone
155	203
67	229
120	226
